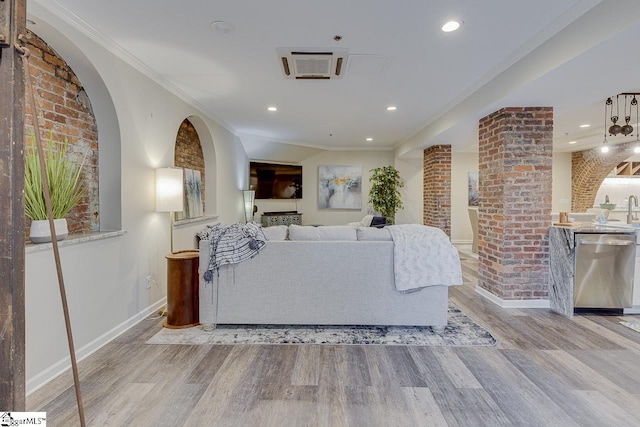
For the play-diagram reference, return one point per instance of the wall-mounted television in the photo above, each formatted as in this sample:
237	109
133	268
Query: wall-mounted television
275	181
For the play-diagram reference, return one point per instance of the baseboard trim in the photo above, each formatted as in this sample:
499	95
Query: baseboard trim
43	377
633	310
461	242
509	303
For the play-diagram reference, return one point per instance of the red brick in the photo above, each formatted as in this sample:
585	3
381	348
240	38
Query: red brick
514	153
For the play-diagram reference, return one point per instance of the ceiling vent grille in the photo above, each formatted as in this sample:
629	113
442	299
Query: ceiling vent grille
312	64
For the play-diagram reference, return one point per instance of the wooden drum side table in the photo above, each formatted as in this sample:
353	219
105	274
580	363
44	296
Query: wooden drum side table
182	289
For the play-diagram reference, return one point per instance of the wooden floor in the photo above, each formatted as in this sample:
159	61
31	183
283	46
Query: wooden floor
545	371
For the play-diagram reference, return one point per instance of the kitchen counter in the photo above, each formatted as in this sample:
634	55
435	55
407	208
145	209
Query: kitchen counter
562	259
609	228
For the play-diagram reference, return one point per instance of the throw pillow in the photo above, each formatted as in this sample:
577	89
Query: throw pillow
275	232
303	232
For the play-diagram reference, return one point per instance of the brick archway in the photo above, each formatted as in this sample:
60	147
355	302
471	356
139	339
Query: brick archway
589	168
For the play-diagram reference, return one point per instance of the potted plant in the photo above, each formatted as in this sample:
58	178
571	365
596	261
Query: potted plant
384	195
65	187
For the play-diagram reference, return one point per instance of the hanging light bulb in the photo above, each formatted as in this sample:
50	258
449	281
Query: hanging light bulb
615	128
627	128
634	102
604	148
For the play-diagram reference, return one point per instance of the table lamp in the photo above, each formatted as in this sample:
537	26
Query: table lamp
169	193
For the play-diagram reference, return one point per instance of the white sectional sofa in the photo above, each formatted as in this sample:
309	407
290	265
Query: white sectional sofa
318	276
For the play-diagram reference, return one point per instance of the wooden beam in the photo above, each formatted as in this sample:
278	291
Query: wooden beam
12	222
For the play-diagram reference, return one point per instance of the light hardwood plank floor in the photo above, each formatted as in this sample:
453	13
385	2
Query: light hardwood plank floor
546	370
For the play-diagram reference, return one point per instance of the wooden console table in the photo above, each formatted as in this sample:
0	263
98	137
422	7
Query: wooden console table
182	289
281	218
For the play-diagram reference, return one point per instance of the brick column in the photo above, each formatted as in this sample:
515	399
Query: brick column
436	209
515	160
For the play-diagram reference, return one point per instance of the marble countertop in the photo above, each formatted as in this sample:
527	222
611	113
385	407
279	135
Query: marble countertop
600	229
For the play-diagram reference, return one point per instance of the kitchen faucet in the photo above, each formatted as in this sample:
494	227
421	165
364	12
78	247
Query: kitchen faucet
630	217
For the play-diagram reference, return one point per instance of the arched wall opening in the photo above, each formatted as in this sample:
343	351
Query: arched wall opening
188	156
209	154
65	116
109	149
589	168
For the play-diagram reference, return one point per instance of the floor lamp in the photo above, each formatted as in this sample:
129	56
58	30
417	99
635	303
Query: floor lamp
169	193
249	197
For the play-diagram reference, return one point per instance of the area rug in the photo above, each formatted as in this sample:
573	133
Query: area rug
634	324
460	331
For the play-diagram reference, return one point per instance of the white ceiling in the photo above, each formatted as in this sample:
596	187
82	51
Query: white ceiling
568	54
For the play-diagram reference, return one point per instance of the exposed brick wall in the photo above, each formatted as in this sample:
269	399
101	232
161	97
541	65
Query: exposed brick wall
514	213
589	168
437	187
188	151
65	110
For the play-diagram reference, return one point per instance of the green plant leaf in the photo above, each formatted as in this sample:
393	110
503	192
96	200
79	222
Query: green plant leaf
64	175
384	195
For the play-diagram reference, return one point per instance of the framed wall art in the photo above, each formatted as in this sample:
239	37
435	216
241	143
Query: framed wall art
340	187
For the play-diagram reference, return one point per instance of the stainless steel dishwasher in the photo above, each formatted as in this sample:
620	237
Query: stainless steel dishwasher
604	270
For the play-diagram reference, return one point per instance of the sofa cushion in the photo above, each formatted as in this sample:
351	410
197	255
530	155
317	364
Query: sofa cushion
337	232
373	234
332	232
303	232
275	232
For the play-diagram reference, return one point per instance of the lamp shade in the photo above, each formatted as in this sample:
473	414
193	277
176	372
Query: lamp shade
249	197
169	190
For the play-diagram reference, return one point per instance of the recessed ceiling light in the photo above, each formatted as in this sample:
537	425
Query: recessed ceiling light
586	125
272	108
451	26
572	142
222	27
369	139
391	108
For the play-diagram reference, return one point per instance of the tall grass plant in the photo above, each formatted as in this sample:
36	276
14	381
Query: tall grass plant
64	176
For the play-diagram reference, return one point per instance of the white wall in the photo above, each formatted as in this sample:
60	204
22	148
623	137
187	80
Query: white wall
308	205
461	165
412	196
561	187
618	188
106	279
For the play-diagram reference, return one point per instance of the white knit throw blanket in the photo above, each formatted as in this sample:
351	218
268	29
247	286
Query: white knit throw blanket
423	256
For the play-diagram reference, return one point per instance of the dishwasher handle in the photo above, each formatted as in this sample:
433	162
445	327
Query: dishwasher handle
607	242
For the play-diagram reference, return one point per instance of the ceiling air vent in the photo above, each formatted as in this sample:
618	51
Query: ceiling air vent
312	64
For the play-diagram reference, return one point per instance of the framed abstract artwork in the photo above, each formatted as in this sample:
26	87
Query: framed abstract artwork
473	188
340	187
192	196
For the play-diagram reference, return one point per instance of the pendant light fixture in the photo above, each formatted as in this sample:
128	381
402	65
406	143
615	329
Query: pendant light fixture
636	149
608	103
630	102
